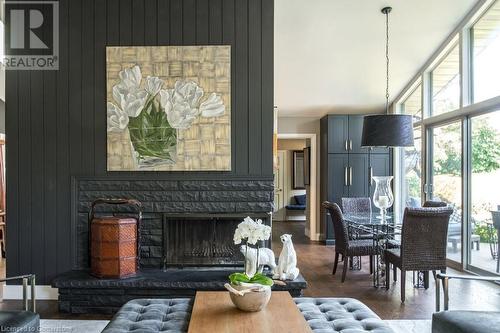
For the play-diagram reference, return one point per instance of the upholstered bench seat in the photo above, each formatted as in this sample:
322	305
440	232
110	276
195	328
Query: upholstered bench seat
345	315
152	315
324	315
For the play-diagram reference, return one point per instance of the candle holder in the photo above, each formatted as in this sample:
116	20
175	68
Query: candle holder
383	197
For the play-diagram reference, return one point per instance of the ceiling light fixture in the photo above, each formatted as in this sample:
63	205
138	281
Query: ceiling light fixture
387	130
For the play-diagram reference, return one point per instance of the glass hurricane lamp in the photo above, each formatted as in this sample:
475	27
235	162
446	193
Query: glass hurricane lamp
383	197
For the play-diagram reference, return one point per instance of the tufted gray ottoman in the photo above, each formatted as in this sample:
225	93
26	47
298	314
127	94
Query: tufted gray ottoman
152	315
345	315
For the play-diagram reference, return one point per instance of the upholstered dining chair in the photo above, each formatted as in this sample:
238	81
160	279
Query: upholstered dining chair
423	243
349	248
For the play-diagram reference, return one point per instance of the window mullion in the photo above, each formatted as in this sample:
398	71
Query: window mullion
466	189
465	68
426	95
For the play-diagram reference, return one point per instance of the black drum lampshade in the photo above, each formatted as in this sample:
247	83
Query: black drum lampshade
388	130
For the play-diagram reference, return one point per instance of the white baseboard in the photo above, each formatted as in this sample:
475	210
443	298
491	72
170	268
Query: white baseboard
42	292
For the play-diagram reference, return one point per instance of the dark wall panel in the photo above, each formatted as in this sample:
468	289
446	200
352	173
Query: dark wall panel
56	121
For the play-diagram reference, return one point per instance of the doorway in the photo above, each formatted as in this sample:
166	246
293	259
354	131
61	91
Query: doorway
304	146
290	190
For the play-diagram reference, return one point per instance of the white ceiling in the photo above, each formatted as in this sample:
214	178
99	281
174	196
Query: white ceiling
329	54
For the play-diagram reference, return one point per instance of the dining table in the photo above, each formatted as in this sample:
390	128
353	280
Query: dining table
382	229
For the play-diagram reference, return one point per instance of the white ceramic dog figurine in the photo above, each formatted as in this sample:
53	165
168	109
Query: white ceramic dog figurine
287	263
266	258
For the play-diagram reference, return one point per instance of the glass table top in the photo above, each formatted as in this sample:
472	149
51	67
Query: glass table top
372	219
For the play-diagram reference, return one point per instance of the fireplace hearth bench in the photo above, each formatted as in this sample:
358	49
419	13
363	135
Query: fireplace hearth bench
174	315
80	292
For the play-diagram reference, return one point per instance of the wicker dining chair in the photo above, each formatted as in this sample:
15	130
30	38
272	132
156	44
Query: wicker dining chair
423	243
349	248
359	205
356	205
427	204
434	204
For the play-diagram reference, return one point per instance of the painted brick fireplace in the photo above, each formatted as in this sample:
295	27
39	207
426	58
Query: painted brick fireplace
184	223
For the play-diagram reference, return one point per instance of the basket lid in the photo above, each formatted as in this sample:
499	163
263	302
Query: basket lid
114	220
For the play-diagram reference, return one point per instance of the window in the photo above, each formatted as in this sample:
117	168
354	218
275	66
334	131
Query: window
446	83
485	196
446	178
486	54
413	172
413	104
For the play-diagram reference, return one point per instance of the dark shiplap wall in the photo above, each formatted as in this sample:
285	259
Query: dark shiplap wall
56	120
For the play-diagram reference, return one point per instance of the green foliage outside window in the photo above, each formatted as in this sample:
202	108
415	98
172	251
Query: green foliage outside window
413	185
485	149
486	233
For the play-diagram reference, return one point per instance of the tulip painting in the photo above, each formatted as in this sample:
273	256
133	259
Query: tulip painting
168	108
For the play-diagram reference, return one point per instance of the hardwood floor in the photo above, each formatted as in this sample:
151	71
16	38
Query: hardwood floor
315	262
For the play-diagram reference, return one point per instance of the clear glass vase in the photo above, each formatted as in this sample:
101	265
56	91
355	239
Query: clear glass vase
383	197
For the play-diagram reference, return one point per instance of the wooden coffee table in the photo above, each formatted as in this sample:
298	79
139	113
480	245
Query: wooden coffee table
214	312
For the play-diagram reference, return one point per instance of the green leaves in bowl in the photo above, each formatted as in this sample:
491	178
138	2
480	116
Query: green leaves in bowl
237	278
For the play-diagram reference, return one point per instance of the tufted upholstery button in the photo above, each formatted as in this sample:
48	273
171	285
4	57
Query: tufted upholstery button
152	315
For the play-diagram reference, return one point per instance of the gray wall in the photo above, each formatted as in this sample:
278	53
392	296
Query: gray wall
56	120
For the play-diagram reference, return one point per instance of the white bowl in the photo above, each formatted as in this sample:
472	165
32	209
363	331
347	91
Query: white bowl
252	301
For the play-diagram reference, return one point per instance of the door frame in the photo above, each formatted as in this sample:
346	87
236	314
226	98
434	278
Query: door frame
279	214
312	227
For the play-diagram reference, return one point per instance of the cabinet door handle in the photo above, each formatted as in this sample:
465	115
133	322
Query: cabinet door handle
350	144
345	145
345	177
370	175
350	176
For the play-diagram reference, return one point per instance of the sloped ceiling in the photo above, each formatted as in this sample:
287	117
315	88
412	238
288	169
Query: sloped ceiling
329	54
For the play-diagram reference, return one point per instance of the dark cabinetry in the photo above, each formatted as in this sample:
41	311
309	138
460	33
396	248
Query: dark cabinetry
344	134
346	167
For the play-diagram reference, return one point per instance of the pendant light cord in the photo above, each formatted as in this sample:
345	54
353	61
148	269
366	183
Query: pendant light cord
387	62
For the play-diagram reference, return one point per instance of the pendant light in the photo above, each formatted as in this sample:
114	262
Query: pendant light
387	130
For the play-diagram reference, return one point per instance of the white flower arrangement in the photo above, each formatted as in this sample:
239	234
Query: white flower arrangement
251	231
